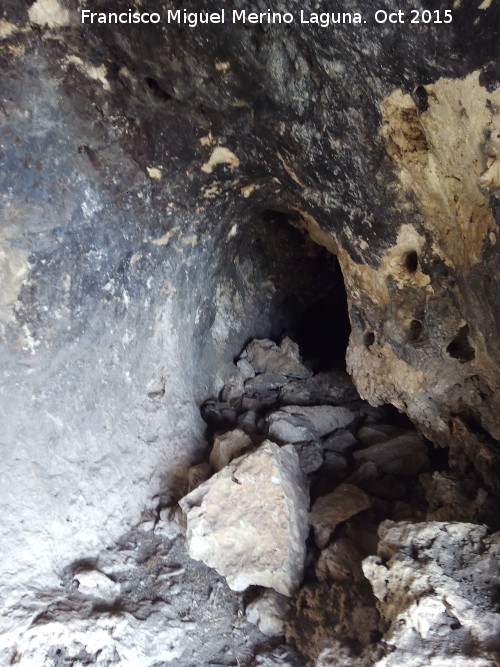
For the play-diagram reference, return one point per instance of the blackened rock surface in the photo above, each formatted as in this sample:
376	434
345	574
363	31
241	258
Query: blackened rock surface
115	244
331	388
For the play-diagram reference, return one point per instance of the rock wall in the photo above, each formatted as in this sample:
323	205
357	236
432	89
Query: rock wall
136	164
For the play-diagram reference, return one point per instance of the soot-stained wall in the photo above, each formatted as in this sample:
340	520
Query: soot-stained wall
137	163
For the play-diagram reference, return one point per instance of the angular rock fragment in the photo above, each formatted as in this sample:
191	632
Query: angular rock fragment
324	418
219	414
249	521
330	510
248	421
264	383
405	455
333	463
267	357
245	368
268	612
290	428
370	435
340	561
341	441
228	446
329	388
310	456
233	391
373	434
95	584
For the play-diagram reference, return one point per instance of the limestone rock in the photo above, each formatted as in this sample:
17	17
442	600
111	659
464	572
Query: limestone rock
290	428
341	441
340	561
405	455
330	510
245	368
310	456
264	383
333	463
247	421
268	612
329	388
324	418
267	357
433	581
96	585
249	521
228	446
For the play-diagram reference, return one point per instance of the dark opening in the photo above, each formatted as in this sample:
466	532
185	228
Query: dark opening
313	311
411	261
369	339
157	90
460	348
414	331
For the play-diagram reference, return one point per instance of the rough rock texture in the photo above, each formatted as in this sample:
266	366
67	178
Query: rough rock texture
133	267
328	511
228	446
269	611
404	455
249	521
266	357
435	586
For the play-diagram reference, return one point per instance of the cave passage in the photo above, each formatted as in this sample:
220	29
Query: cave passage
310	302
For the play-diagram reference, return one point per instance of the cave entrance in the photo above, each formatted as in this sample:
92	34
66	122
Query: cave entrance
310	303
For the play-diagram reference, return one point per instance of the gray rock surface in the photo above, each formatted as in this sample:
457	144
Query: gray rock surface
249	521
330	510
404	455
341	442
310	456
330	388
434	585
267	357
324	418
286	427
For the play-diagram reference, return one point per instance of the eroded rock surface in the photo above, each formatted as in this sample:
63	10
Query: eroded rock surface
249	521
434	585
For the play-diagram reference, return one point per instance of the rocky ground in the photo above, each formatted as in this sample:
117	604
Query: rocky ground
318	530
365	548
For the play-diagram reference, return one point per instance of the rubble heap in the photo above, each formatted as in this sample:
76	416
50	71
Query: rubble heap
331	507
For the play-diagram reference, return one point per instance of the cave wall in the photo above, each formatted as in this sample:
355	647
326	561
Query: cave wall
136	164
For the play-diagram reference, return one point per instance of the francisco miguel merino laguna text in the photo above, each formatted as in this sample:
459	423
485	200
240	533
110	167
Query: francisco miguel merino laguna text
193	19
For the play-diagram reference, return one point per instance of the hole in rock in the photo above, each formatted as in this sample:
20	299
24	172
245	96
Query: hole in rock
460	347
411	261
369	339
414	331
293	287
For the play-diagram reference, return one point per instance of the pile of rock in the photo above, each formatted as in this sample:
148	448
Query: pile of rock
300	476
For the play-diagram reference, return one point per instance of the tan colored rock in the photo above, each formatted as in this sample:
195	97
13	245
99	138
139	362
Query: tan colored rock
267	357
340	561
227	447
268	612
330	510
198	474
249	521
